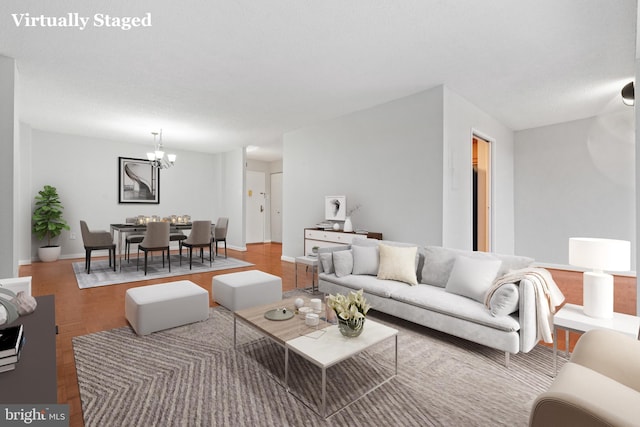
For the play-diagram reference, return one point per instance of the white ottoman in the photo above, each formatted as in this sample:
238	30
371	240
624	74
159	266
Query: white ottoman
167	305
245	289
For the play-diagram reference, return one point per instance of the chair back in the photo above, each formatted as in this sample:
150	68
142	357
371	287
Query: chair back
84	230
200	233
157	235
220	230
96	238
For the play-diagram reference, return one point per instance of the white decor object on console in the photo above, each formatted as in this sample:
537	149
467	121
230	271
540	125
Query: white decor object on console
348	226
599	255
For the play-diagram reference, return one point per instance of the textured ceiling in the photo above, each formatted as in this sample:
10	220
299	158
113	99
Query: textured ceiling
216	74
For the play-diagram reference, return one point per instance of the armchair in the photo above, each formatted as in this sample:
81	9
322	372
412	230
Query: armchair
599	386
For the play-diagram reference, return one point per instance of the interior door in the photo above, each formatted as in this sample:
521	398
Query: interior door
481	194
255	206
276	207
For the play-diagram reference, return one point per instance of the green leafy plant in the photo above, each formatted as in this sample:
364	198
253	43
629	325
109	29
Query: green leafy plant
47	216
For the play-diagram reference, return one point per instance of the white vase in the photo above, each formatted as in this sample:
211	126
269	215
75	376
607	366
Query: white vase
348	227
49	253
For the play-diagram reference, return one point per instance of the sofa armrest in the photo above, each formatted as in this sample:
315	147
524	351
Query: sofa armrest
17	284
610	353
527	316
582	397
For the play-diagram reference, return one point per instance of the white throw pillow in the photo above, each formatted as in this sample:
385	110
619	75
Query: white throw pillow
327	262
398	263
504	300
366	259
472	277
343	262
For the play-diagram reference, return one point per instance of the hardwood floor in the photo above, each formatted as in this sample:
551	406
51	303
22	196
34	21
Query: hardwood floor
80	312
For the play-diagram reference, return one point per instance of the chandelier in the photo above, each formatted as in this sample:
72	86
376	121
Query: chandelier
157	157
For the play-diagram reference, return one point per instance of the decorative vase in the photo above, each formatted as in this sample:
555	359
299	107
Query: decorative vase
348	227
350	328
49	253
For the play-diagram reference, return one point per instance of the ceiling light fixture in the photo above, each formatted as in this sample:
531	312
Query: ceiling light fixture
157	157
628	94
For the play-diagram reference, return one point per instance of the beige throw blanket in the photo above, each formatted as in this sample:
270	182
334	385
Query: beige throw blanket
548	296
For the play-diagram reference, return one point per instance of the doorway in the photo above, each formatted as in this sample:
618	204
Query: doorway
276	207
256	200
481	164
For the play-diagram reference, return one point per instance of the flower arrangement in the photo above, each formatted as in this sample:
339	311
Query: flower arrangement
351	310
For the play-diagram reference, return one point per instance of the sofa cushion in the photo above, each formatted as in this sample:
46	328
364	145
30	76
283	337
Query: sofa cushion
343	262
438	299
472	277
439	261
504	300
398	263
366	259
370	284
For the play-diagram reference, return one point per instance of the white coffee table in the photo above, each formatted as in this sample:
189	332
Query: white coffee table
571	317
332	347
324	349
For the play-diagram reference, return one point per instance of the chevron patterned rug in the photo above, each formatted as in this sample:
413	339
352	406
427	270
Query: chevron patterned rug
192	376
103	275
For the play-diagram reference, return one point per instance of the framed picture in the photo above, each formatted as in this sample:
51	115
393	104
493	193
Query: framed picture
138	181
335	208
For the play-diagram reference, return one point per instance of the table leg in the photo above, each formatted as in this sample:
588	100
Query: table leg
286	368
324	392
555	351
566	343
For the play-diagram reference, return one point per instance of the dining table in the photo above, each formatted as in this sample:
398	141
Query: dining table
118	232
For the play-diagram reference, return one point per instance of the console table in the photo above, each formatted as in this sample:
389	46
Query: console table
326	238
34	378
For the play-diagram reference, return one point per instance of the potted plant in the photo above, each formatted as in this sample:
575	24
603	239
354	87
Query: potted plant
48	222
351	311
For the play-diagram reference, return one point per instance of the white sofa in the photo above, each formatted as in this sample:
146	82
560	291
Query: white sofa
433	300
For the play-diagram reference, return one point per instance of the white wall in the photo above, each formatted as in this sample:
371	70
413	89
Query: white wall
575	179
232	203
387	158
461	120
8	175
85	172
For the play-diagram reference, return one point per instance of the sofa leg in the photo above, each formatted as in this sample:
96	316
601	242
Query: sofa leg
506	359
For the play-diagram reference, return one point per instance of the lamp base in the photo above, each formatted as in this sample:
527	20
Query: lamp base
598	295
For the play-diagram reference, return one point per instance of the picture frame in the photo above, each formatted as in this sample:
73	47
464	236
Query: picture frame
138	181
335	208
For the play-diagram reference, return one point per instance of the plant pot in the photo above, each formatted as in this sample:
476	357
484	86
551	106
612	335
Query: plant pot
350	328
49	253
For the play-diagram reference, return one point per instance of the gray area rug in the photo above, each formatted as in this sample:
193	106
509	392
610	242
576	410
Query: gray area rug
192	376
102	274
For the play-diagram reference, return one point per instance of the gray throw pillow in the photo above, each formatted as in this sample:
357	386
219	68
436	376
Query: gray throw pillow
327	262
504	300
343	263
366	260
472	277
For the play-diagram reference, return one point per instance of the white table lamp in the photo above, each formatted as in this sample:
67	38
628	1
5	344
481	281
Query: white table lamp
599	255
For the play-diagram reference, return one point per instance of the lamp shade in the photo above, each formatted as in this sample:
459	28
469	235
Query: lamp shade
600	254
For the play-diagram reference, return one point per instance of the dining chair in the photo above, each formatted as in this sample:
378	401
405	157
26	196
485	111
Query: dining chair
96	240
131	237
200	237
155	239
220	233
